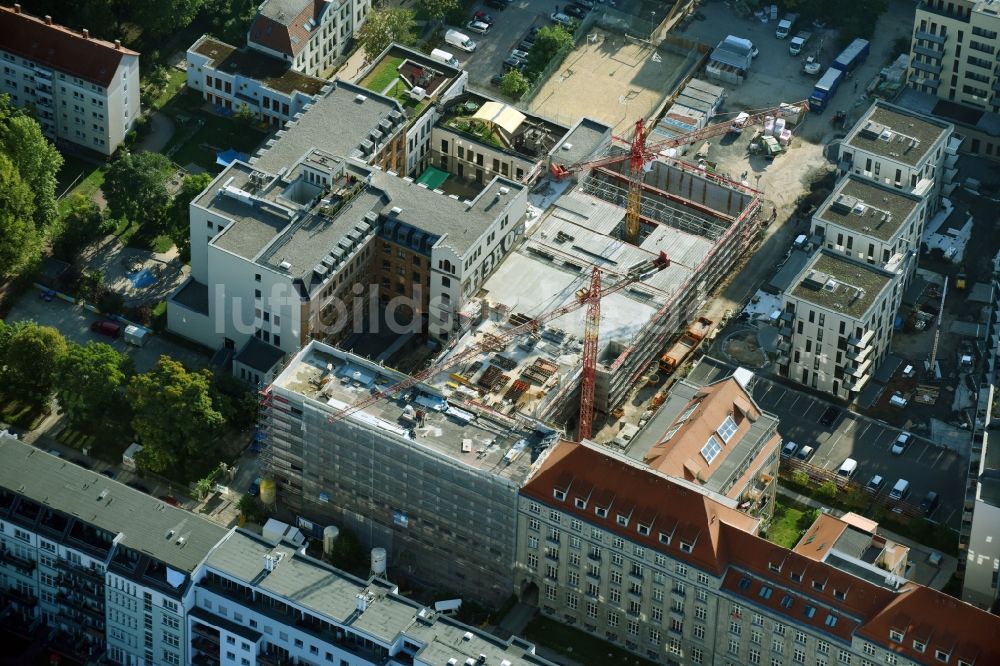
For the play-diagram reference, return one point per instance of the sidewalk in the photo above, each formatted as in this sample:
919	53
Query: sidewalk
922	572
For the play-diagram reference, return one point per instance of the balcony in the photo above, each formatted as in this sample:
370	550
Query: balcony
863	341
855	384
926	67
23	598
931	81
20	563
201	632
88	606
858	370
89	574
859	355
929	52
926	36
941	9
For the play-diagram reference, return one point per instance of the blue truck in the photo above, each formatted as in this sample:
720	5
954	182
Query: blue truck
855	54
825	89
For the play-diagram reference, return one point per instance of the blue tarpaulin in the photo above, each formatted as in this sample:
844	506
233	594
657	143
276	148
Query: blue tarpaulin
225	157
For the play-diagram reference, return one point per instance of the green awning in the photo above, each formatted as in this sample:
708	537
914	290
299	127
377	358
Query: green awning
432	178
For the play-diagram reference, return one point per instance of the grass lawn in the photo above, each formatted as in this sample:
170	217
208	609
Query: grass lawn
21	413
578	645
175	83
161	243
400	92
380	77
789	521
85	177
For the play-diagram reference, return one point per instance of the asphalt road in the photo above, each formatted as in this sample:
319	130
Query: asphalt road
925	466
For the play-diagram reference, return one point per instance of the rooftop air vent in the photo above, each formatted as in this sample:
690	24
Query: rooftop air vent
872	129
886	135
359	98
504	190
843	203
284	265
396	210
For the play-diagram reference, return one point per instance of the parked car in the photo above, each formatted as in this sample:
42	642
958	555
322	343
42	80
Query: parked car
829	417
513	63
560	19
169	499
525	45
520	55
575	11
930	503
900	490
108	328
848	468
903	441
789	449
805	453
484	17
477	27
875	484
254	489
496	80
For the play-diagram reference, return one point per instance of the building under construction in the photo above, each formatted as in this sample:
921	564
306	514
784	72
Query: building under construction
704	224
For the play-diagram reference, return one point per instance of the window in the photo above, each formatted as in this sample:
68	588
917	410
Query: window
868	649
711	450
844	657
895	636
941	655
581	503
727	429
623	520
822	648
754	656
800	637
681	570
559	495
919	646
702	579
799	656
698	632
831	620
765	592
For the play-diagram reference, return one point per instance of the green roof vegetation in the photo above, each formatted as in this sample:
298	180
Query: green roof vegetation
381	76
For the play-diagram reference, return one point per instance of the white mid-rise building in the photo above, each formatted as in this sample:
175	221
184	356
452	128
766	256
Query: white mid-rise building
308	34
85	90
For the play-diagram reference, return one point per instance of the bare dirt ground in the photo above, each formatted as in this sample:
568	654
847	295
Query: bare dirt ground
611	79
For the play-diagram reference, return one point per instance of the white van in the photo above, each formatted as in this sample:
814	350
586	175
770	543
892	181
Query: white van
455	38
848	468
445	57
900	490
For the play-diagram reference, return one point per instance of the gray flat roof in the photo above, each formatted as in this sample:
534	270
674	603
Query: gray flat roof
254	225
142	521
259	355
319	588
193	295
904	126
836	282
580	142
487	440
885	209
335	123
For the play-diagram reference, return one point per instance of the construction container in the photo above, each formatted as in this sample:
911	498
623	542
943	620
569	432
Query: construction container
268	491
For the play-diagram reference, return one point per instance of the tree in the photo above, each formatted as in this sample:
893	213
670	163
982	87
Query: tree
88	379
7	333
347	551
32	356
164	17
245	115
435	9
82	223
252	509
513	84
36	159
135	188
551	42
827	490
173	414
180	208
231	19
383	27
20	242
235	402
800	478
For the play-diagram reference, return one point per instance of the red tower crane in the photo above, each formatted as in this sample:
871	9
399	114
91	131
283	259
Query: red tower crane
590	297
640	152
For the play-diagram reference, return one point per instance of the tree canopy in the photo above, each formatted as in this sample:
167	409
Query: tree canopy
37	161
383	27
135	188
514	84
30	360
551	41
20	241
435	9
174	416
88	379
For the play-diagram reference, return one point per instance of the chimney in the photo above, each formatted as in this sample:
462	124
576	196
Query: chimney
118	44
48	20
17	9
86	33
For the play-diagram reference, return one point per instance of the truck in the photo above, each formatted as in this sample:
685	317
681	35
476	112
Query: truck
798	41
445	57
686	345
825	89
855	54
785	25
462	41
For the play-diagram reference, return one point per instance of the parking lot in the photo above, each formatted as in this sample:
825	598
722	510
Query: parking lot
851	435
74	323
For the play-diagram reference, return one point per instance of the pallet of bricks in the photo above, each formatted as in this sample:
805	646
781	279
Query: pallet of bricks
492	378
539	372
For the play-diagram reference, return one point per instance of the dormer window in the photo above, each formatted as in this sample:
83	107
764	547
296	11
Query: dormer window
840	594
711	450
665	538
643	530
895	636
601	512
581	503
686	547
559	495
776	568
622	520
727	429
796	577
942	656
787	601
919	646
819	585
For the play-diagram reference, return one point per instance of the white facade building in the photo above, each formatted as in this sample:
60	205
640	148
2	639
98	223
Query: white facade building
85	90
308	34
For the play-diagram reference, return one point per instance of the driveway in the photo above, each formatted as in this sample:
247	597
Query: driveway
74	322
161	130
926	466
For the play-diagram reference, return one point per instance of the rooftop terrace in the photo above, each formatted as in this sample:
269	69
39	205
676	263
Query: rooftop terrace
861	205
893	132
470	436
835	282
501	126
274	73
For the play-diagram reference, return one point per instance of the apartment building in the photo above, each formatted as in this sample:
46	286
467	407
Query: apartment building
85	90
231	78
107	568
836	322
429	480
871	222
899	148
264	603
717	438
953	53
678	576
308	34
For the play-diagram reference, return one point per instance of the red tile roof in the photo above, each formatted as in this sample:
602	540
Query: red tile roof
724	542
286	35
60	48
